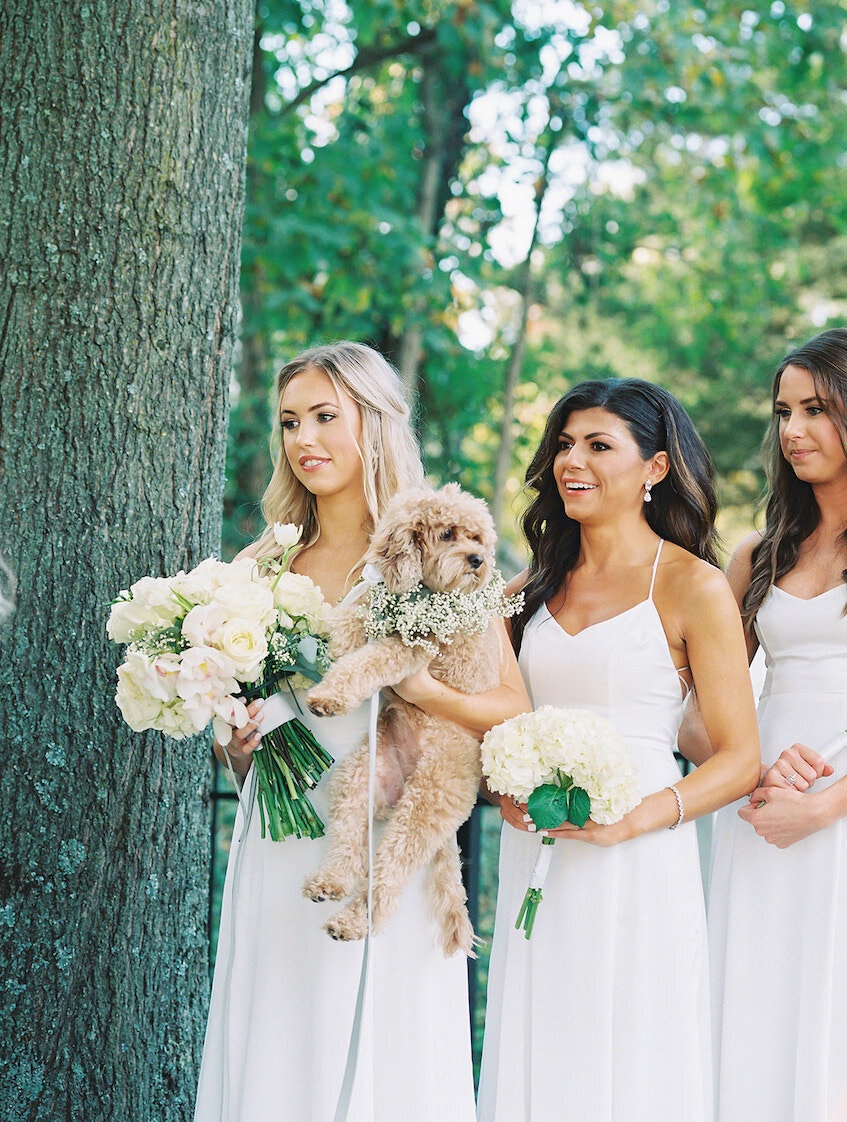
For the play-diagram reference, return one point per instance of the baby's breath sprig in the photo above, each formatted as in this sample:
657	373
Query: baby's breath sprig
423	618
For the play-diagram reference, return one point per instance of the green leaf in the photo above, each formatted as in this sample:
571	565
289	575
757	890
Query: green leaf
579	806
548	806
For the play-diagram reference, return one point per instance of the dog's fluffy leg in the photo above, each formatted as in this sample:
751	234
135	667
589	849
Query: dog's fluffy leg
344	867
435	802
361	673
448	901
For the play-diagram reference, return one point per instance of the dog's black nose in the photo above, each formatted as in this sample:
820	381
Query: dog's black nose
474	560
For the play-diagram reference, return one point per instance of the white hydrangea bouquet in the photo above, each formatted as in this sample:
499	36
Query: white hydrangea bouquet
567	765
201	645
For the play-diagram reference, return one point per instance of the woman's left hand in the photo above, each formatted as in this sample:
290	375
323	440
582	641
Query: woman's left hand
781	815
593	832
516	815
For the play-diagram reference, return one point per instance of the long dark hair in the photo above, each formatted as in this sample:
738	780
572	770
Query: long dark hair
683	505
792	511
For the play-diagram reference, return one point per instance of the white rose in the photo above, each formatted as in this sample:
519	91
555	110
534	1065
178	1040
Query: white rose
247	599
245	643
139	709
286	534
299	597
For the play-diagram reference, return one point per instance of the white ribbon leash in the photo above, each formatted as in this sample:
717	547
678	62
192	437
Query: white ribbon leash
833	747
370	576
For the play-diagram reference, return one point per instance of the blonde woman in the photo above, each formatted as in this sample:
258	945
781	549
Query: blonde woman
284	993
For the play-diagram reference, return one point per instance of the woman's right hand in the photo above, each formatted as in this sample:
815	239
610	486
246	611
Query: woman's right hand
244	742
798	767
516	814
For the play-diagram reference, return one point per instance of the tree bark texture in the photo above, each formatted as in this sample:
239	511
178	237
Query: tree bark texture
122	147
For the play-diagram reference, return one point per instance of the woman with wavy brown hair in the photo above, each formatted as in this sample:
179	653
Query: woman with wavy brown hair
604	1013
778	900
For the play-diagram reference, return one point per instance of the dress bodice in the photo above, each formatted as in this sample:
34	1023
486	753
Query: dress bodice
804	641
621	669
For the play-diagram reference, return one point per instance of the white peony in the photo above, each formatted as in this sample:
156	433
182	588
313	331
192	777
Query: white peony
202	624
129	618
138	707
198	585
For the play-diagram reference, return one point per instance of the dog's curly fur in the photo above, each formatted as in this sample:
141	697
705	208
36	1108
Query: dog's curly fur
427	768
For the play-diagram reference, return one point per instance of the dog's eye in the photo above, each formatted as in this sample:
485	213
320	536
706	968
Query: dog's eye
447	535
476	538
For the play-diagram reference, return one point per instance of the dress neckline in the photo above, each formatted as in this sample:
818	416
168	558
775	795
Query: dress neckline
647	600
808	599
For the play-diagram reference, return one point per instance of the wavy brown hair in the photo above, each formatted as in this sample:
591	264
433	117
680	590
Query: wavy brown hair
792	511
683	505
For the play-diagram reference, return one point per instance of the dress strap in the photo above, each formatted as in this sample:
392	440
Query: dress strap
655	567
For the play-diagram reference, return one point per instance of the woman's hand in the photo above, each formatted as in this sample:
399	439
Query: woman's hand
417	688
517	815
244	742
782	815
798	767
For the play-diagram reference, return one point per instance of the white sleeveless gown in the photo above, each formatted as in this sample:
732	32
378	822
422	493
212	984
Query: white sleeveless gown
284	993
602	1016
778	917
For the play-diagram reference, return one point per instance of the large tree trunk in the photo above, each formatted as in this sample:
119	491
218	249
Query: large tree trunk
121	164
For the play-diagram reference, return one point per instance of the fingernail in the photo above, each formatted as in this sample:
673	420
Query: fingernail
531	827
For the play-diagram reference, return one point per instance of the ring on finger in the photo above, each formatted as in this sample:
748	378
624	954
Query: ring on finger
791	779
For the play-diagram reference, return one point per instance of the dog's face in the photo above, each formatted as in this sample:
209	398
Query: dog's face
444	539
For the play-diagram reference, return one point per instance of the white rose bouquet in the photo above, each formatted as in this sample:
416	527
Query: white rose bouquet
567	765
202	644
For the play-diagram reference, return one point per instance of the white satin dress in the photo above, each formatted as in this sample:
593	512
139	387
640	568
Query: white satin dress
284	993
778	917
603	1015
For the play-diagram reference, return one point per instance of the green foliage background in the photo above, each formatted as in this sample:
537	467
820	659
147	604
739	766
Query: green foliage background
689	166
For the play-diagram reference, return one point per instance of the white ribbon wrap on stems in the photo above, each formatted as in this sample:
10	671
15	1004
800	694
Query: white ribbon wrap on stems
541	866
370	576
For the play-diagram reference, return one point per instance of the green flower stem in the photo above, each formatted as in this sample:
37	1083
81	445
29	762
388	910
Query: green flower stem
529	907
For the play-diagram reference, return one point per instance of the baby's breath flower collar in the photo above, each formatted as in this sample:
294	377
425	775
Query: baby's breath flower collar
423	618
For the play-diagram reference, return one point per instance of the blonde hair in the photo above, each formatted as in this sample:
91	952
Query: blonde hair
389	450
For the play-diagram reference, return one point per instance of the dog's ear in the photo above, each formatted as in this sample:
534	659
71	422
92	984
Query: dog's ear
395	545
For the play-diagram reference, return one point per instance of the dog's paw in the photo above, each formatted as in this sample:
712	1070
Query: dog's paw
457	934
326	704
350	923
325	886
